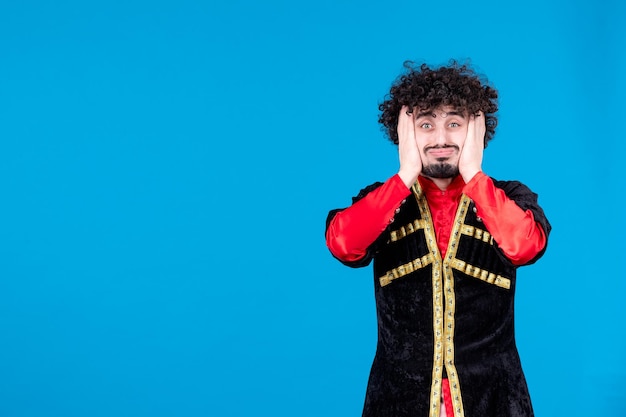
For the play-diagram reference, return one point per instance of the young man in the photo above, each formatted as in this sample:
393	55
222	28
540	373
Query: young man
446	240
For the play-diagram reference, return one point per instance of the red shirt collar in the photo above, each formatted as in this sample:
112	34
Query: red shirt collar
429	187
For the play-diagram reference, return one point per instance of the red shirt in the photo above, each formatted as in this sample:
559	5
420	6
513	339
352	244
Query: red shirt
354	229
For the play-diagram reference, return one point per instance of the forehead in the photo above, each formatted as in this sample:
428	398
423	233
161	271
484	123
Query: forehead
442	112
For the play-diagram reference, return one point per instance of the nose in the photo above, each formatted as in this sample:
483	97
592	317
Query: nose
441	136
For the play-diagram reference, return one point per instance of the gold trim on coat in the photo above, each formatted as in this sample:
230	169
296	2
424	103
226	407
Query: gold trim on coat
450	298
438	302
444	298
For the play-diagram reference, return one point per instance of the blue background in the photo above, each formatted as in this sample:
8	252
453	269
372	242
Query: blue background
167	168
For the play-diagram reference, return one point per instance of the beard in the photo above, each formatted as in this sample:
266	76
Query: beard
440	170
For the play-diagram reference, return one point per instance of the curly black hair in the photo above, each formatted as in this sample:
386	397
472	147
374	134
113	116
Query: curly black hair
454	85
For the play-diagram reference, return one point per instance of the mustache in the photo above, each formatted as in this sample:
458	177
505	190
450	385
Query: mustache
427	148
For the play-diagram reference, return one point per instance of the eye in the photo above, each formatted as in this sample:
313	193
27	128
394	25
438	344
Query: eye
426	125
454	124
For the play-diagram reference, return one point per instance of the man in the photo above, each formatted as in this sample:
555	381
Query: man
446	240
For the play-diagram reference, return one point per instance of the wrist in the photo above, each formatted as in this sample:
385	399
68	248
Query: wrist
469	174
408	178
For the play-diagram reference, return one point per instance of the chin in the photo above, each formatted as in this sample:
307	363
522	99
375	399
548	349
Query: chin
440	170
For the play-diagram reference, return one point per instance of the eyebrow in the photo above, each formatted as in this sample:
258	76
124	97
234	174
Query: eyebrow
448	113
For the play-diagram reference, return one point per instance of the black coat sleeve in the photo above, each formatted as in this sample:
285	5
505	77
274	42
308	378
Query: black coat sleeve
371	250
526	200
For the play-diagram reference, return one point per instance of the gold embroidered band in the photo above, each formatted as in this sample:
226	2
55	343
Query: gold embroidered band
477	233
405	269
450	309
481	274
407	230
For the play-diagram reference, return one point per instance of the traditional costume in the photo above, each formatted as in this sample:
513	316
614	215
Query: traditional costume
444	276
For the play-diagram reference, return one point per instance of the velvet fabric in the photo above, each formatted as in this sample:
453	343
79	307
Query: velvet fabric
481	355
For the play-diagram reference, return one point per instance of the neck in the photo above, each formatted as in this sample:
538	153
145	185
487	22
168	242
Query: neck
442	183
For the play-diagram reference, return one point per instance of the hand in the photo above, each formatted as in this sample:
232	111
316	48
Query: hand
410	160
470	161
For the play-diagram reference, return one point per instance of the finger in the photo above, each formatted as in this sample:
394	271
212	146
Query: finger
471	126
401	118
480	127
405	114
405	123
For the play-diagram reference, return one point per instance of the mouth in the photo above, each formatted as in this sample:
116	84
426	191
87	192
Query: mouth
442	152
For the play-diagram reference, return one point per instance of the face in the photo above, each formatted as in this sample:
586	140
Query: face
440	135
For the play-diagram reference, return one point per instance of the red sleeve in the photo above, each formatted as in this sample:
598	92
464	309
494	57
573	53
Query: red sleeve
517	233
354	229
